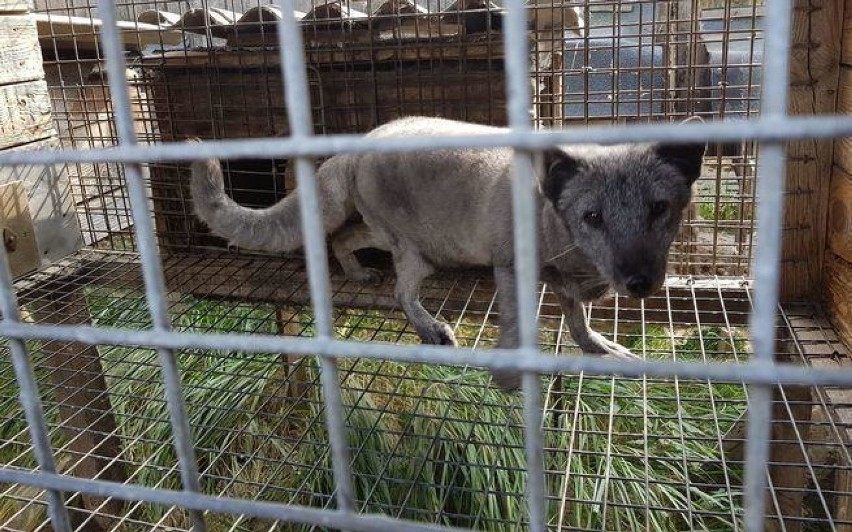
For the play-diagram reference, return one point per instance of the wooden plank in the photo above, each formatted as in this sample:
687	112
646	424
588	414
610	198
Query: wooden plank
324	47
15	6
20	54
840	214
24	114
17	232
57	230
836	293
814	65
847	34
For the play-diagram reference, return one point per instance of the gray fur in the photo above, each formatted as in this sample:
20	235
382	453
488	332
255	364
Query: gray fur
452	208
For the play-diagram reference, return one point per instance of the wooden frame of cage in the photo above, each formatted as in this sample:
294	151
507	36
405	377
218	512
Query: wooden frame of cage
817	251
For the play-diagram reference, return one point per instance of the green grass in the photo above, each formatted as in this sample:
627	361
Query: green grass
720	212
428	443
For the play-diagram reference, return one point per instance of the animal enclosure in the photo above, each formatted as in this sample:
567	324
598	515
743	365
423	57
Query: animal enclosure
153	378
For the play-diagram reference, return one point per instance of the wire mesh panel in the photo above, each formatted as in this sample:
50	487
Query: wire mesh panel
625	64
176	384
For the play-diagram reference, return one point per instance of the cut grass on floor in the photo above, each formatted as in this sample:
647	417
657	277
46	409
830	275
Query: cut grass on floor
429	443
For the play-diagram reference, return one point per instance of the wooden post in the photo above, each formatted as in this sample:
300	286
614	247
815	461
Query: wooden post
79	388
297	374
679	54
789	473
814	71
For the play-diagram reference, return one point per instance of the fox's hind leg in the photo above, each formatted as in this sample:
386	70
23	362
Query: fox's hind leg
411	270
346	242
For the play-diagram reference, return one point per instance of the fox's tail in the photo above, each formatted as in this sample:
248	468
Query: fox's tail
276	228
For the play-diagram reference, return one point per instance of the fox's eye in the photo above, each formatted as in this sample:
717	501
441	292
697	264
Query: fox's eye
658	208
593	219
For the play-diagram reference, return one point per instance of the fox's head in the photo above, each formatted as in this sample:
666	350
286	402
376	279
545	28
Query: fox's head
623	205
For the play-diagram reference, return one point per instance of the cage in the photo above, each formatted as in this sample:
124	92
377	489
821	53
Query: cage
153	378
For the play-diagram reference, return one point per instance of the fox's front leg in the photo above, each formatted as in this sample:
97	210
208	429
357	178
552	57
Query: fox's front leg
504	278
588	340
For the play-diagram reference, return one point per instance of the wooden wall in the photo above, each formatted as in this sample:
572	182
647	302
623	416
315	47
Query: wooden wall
26	123
814	69
837	288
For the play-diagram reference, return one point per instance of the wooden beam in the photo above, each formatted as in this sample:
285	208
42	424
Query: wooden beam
814	72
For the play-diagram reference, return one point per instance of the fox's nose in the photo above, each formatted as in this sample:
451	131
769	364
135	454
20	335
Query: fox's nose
639	285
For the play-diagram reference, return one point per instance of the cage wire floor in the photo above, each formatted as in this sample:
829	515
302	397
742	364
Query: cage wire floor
432	444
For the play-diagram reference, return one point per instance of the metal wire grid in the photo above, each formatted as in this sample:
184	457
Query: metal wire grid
384	391
760	373
357	91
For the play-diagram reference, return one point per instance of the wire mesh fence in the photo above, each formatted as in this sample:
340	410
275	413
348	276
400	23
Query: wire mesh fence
177	378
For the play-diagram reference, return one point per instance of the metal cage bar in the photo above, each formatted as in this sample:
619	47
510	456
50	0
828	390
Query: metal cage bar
524	222
29	397
298	109
758	129
767	270
151	265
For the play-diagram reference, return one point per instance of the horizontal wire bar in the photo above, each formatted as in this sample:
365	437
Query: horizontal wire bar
509	359
195	501
761	129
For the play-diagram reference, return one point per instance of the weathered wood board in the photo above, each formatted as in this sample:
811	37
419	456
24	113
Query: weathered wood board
843	146
24	114
837	274
57	231
847	33
15	6
837	293
840	215
20	55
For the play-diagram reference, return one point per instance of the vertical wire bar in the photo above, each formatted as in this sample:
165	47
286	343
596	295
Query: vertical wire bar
526	249
152	271
766	268
29	397
297	97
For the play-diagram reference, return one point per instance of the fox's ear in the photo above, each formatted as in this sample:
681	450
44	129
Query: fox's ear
559	168
687	158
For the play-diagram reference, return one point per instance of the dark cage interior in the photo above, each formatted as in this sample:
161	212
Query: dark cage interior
428	443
